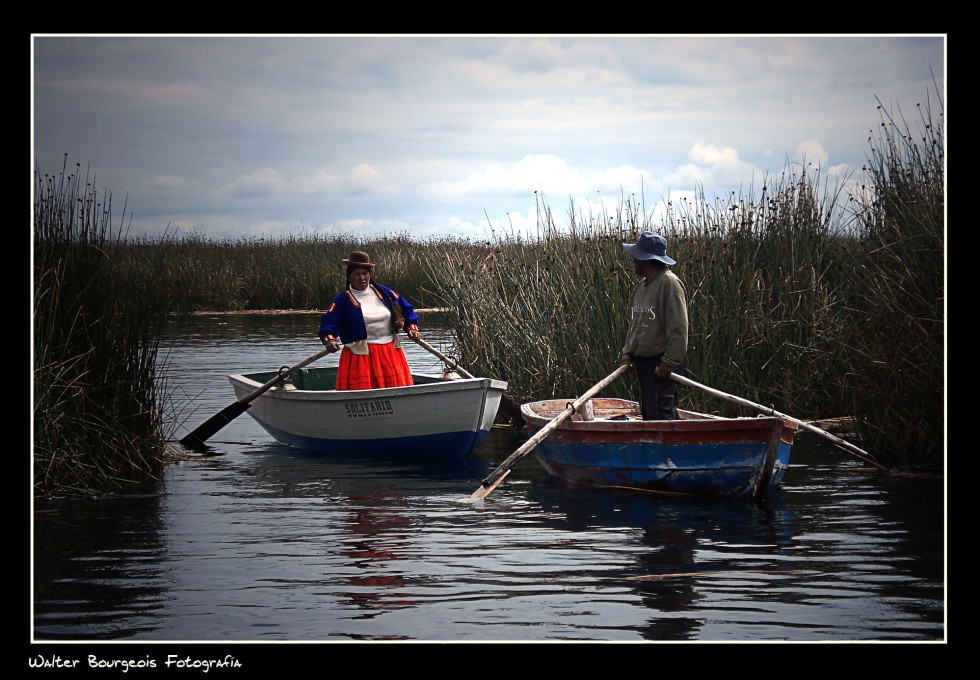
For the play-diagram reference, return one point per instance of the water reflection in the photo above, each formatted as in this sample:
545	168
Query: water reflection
287	471
268	543
378	536
682	543
98	567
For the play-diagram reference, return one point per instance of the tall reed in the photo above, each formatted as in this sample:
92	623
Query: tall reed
765	290
778	312
549	314
288	272
543	314
97	421
794	301
896	378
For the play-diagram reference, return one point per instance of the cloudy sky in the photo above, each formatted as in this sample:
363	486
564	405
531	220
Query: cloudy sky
245	136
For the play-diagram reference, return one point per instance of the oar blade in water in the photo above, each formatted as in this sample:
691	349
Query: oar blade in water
195	440
485	491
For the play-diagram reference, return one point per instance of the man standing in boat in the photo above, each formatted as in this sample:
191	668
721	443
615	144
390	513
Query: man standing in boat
657	338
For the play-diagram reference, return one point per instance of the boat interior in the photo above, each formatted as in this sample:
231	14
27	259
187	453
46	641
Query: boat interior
325	378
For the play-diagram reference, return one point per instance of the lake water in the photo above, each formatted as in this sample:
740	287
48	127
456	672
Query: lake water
266	544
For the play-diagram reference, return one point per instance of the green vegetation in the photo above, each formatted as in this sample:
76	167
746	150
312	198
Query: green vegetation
801	296
763	295
97	408
897	345
290	272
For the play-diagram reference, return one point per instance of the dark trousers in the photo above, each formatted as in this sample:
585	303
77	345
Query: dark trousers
658	398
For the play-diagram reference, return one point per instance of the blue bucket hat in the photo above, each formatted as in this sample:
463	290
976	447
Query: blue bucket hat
649	246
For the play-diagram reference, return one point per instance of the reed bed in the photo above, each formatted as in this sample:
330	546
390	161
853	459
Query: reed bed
96	391
765	294
288	272
800	297
549	314
896	382
545	315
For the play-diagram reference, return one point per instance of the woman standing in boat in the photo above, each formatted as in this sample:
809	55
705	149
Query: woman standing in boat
366	317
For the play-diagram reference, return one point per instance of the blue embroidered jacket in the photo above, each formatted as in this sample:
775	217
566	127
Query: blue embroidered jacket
343	320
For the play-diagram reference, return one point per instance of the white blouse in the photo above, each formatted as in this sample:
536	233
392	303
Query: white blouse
377	316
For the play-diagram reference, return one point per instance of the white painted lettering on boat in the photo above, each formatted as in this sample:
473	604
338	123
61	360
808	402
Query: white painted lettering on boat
367	409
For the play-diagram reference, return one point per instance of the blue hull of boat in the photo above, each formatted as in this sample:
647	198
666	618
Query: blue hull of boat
445	444
724	469
694	455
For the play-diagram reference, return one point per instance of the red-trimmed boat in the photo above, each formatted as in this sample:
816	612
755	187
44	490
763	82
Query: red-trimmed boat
607	444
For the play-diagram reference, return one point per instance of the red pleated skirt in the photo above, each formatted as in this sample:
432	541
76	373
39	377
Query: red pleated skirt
383	366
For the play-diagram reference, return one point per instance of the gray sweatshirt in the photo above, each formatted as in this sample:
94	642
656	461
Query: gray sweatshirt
658	319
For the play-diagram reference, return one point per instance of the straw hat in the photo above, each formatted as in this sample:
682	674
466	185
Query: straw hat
359	258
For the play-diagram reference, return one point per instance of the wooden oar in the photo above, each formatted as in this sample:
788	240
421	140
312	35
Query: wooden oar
847	446
195	440
497	476
452	365
508	404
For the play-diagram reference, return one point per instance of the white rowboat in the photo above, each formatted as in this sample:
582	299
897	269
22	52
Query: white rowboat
433	417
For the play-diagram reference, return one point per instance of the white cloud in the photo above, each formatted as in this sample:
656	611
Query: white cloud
264	183
535	173
813	152
167	184
425	133
524	176
840	170
321	182
709	154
